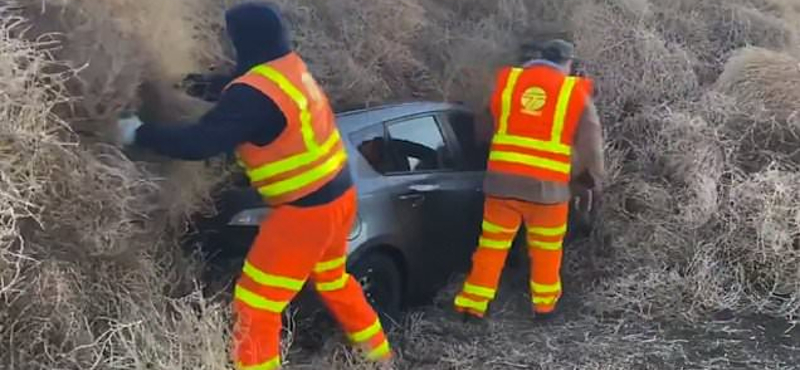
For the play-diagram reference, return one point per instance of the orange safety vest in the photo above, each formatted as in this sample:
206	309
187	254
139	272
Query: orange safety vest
537	111
309	152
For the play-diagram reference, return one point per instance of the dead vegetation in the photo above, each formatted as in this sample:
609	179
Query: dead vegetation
89	270
699	102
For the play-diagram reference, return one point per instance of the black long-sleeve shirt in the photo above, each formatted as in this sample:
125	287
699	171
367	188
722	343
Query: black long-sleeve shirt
241	115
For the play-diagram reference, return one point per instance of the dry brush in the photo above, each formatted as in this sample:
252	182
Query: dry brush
699	102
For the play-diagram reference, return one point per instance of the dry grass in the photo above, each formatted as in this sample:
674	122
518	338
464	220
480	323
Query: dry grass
699	101
763	80
680	230
578	339
88	276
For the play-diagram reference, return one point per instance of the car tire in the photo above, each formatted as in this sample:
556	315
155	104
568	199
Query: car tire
382	283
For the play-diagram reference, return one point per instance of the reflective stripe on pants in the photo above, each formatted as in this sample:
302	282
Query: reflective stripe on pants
283	256
545	236
372	340
497	234
545	225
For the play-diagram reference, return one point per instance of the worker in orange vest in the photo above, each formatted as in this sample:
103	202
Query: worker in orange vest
545	130
280	125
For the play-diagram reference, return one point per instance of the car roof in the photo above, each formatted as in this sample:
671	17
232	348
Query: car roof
357	119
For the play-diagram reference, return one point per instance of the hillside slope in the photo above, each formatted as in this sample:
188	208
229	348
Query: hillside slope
701	217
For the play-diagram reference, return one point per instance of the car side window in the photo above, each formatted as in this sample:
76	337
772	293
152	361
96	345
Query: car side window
418	145
371	143
473	152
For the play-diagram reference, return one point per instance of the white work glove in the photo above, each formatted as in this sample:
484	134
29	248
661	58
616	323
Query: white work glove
584	201
126	130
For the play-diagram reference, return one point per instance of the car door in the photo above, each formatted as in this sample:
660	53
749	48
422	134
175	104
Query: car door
426	162
388	210
470	159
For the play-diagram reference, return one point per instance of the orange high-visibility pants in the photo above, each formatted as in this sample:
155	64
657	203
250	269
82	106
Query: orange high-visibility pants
294	244
546	226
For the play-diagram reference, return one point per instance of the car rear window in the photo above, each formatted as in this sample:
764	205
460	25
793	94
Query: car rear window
473	151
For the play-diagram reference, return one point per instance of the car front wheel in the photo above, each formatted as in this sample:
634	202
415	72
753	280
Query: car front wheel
382	282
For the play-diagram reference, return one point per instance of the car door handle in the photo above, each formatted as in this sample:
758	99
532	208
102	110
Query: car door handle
416	199
424	187
413	196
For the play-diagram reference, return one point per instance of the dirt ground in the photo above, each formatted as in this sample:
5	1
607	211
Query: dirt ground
432	336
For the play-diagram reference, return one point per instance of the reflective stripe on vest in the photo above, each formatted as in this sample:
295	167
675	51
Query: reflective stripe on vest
272	364
554	145
331	148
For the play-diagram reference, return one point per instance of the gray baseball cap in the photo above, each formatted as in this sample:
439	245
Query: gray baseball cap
558	49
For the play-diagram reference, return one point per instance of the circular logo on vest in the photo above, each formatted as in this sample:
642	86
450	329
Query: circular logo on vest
533	100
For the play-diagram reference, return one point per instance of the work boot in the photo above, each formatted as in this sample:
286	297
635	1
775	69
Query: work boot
468	317
472	321
465	315
454	315
386	364
546	316
547	312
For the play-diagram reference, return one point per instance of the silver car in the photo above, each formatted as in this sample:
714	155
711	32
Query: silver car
418	169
